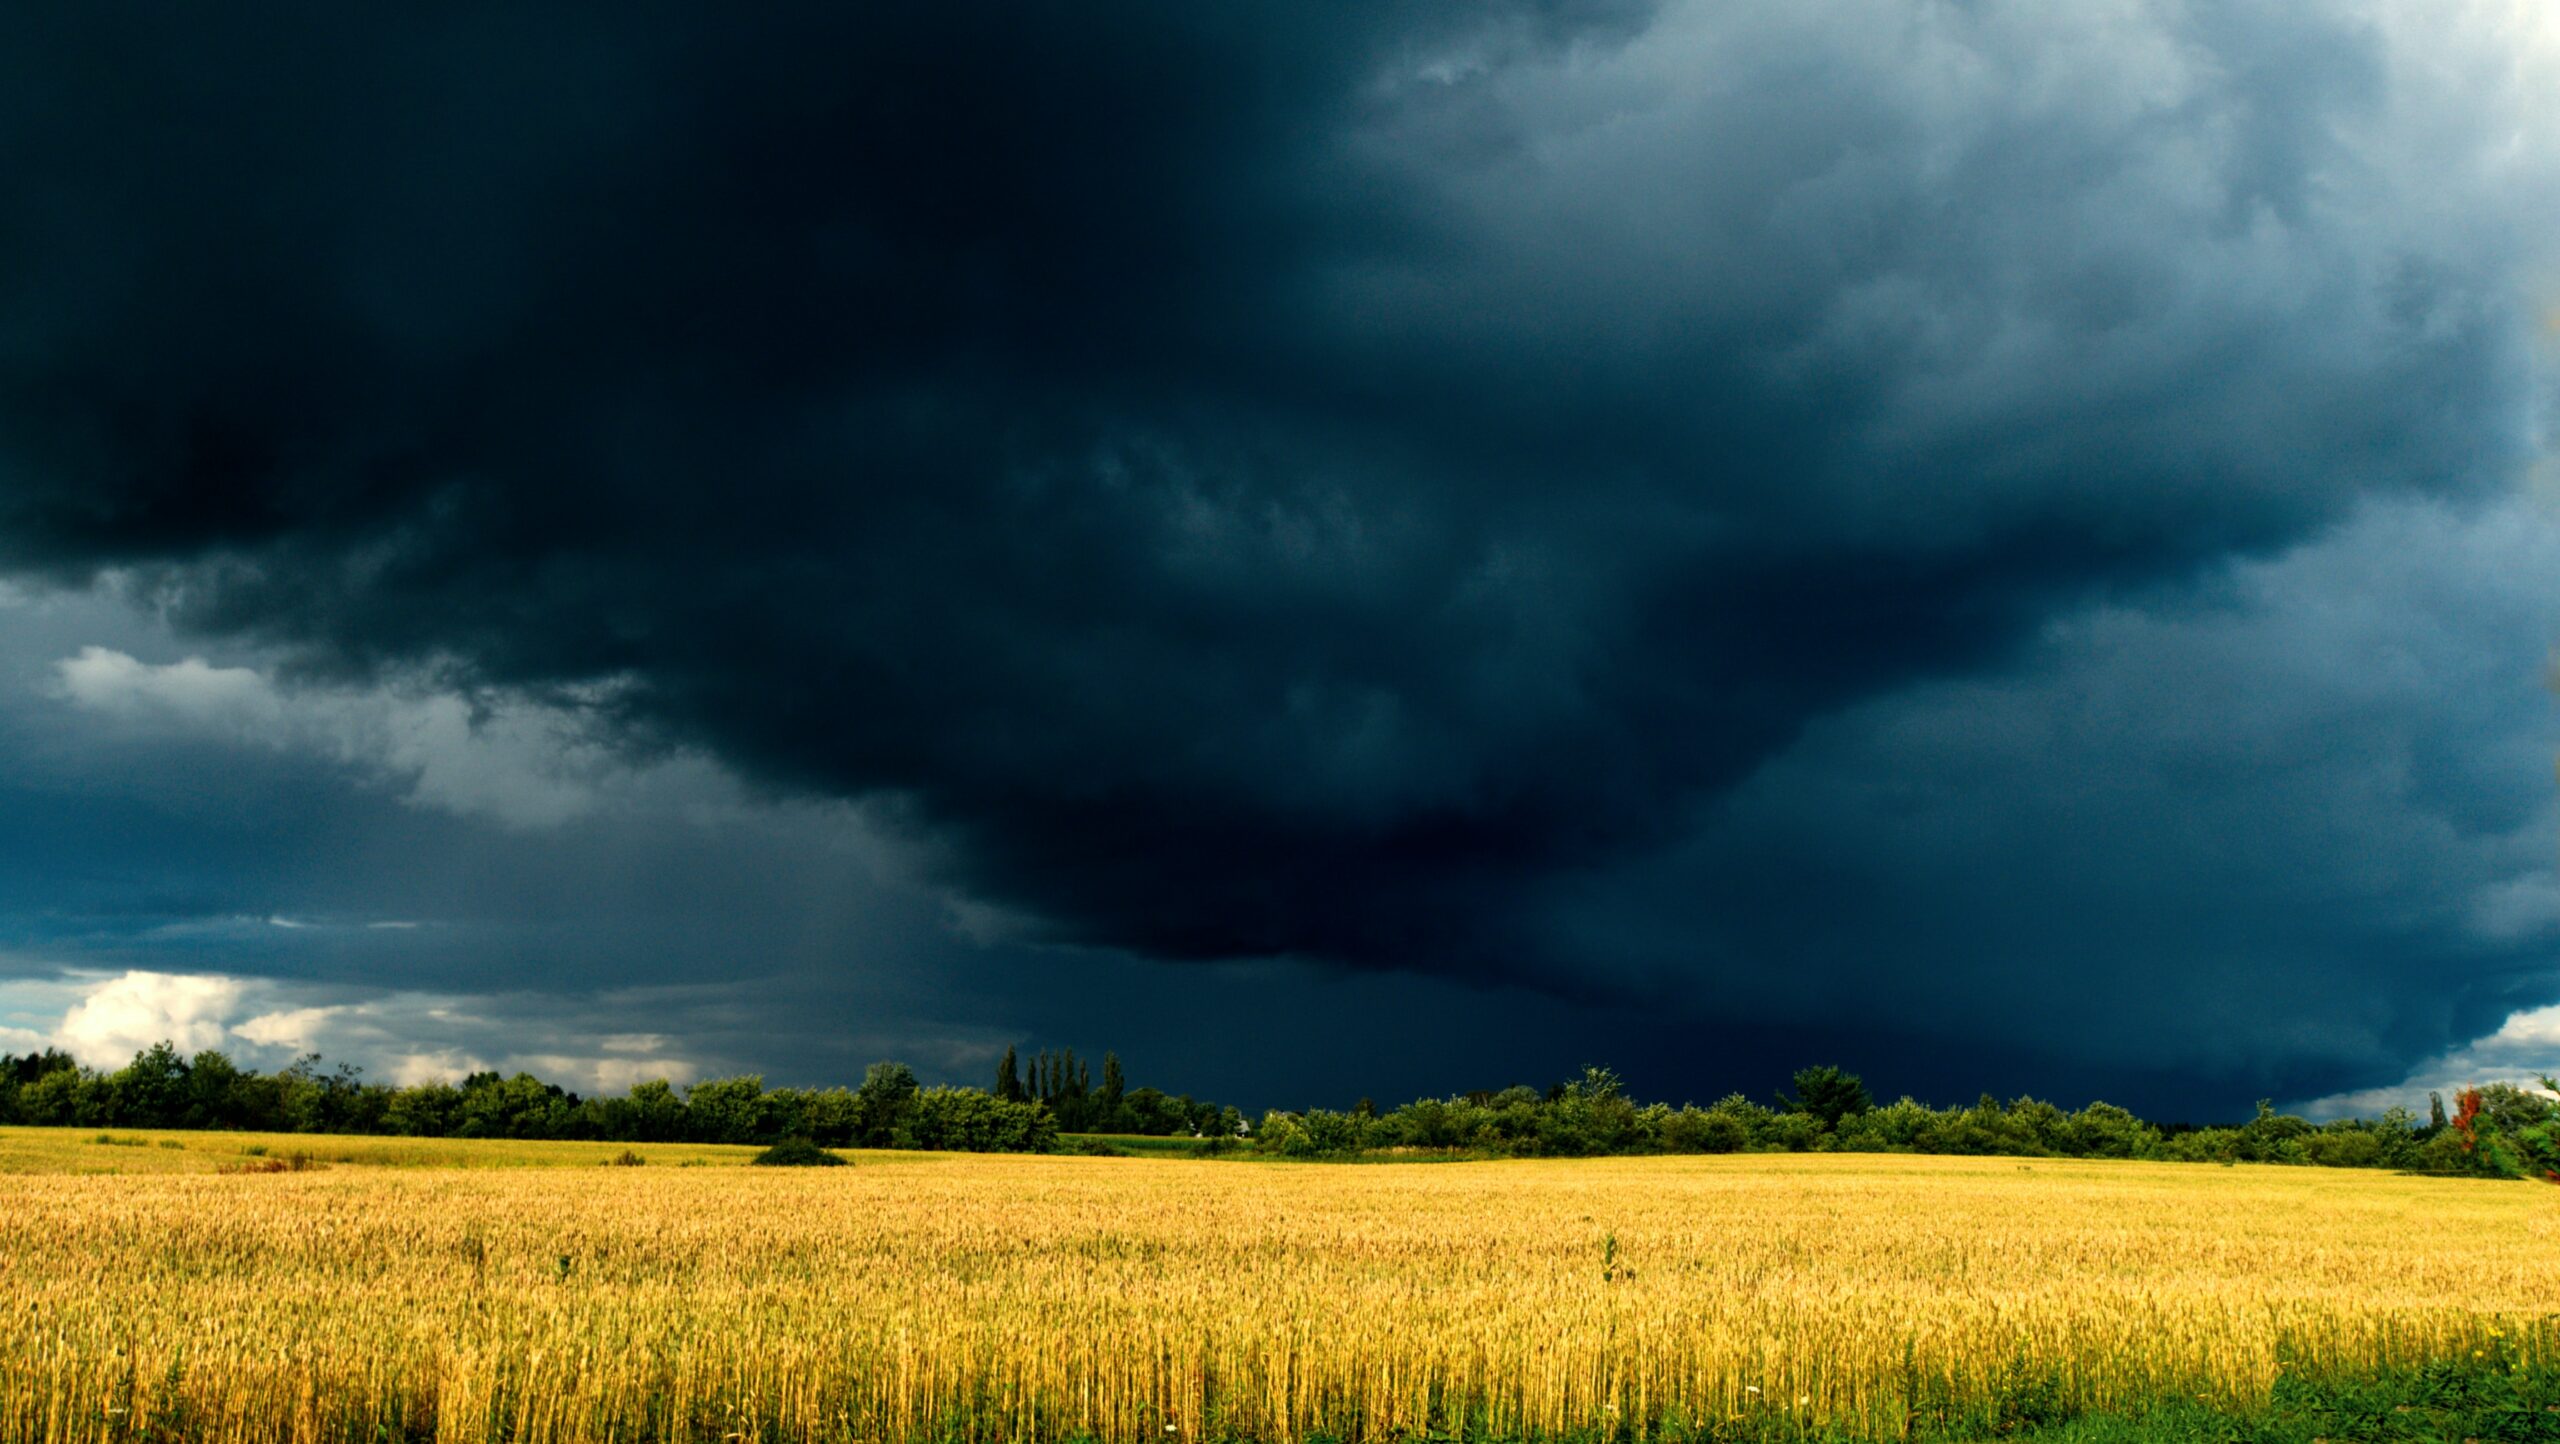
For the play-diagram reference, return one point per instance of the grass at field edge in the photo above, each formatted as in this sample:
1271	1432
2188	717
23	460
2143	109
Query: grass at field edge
2447	1402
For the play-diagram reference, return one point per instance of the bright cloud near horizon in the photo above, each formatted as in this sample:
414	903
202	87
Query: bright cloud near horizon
398	1038
2003	547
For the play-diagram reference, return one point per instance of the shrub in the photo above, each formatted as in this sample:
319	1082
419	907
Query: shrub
797	1153
295	1162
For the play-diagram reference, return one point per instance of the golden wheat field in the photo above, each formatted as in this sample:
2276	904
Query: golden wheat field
944	1297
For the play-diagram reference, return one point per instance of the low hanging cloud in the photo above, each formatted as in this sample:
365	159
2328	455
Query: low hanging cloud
2290	825
508	759
2523	1052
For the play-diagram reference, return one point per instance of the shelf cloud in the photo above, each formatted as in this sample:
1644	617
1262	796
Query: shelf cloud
1619	504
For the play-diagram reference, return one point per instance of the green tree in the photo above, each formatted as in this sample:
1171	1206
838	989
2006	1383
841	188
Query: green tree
424	1110
1106	1101
521	1106
1009	1077
880	1104
2512	1131
1827	1094
657	1114
831	1117
152	1091
54	1097
964	1119
214	1097
725	1110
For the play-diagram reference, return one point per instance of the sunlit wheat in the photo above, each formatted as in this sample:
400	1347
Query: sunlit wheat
1051	1298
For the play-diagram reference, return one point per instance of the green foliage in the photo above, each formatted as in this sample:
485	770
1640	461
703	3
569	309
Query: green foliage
2502	1130
1828	1094
161	1089
1593	1114
725	1110
880	1105
2510	1131
1318	1133
656	1114
522	1106
966	1120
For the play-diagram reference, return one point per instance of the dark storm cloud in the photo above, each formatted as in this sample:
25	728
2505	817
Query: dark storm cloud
2281	833
1236	479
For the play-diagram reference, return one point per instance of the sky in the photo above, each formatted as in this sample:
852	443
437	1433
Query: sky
1335	551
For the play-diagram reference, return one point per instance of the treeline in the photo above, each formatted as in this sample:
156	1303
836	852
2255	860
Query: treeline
1831	1111
1065	1083
2499	1129
162	1088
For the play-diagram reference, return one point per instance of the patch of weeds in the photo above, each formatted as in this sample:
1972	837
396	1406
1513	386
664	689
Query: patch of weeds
797	1153
294	1162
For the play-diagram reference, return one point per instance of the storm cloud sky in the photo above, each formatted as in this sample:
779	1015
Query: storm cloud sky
1336	550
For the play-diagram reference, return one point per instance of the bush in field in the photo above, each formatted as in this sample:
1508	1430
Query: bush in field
797	1153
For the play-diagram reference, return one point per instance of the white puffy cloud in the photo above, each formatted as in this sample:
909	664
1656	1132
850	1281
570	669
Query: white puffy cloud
442	1065
235	700
293	1028
602	1074
127	1014
400	1037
